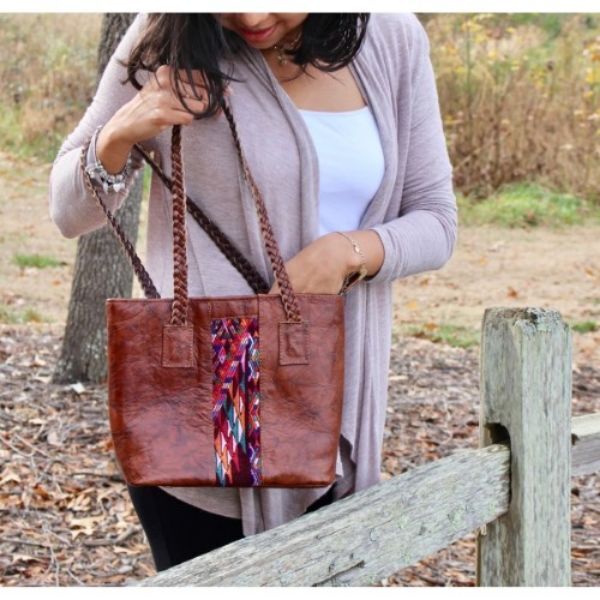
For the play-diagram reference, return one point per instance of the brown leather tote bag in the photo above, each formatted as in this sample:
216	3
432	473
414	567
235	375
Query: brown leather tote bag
236	391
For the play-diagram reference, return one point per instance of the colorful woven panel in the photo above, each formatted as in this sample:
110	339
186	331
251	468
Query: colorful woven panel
236	401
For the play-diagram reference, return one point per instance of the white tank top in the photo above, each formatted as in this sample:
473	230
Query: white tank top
351	164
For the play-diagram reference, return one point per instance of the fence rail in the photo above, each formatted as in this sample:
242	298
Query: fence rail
585	435
361	539
514	489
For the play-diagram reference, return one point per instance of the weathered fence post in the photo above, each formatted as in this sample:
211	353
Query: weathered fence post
526	358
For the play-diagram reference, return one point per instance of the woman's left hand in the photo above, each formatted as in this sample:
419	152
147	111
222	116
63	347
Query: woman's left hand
320	267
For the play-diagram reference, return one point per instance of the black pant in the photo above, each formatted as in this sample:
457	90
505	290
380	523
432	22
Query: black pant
178	531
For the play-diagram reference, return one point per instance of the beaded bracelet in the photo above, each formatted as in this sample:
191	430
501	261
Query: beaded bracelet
110	182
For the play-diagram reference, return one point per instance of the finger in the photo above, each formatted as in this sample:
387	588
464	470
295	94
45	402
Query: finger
197	76
188	91
197	85
191	91
165	72
198	107
176	117
188	104
187	101
202	85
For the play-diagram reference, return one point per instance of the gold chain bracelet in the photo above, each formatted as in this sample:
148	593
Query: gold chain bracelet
355	276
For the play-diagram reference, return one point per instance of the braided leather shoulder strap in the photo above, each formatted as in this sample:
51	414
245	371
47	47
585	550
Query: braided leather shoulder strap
144	278
180	270
288	295
224	243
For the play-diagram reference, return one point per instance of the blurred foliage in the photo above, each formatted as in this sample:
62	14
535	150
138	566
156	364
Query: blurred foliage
520	97
48	70
519	93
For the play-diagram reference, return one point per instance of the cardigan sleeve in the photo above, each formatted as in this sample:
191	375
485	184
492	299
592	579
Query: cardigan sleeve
71	206
423	236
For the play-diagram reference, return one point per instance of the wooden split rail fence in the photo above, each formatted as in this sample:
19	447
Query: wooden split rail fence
514	490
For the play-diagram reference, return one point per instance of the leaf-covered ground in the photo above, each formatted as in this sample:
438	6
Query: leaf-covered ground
66	518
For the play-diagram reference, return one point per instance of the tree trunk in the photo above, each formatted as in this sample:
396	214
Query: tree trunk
101	267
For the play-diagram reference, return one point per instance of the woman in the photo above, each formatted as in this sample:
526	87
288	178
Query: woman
339	119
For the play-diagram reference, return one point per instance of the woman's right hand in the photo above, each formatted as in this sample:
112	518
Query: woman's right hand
152	110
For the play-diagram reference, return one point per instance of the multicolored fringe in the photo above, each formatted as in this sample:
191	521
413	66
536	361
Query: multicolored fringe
236	401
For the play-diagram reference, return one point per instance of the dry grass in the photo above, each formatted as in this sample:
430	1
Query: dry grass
48	73
520	93
520	103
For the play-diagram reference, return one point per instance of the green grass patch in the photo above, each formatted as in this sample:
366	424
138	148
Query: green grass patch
453	335
11	316
527	205
551	23
38	261
585	326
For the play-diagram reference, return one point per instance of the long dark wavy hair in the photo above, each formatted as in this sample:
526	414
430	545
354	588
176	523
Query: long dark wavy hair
328	41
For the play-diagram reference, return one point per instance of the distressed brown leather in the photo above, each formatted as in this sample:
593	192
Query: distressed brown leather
161	369
160	415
